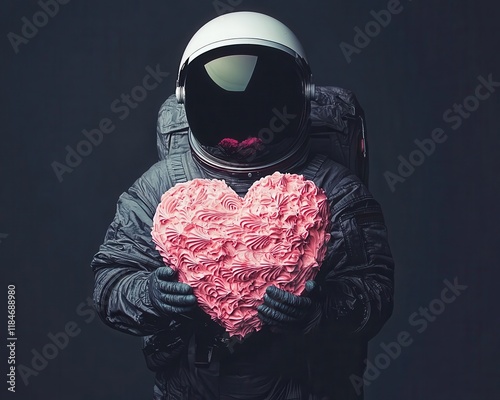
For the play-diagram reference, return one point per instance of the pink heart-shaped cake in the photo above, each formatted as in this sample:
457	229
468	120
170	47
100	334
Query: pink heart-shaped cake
230	249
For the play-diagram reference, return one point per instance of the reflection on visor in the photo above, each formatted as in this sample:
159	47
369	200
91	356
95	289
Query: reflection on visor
232	73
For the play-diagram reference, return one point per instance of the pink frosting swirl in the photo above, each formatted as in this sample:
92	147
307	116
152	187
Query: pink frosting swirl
231	249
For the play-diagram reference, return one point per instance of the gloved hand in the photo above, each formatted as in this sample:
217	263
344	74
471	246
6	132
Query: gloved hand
169	296
282	309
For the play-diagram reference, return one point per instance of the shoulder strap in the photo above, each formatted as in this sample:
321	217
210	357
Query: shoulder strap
180	167
338	129
171	129
177	170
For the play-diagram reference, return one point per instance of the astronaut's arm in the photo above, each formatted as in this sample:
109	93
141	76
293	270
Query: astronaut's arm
356	279
127	258
122	301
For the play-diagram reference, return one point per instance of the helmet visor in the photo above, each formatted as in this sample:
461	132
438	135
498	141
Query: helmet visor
245	104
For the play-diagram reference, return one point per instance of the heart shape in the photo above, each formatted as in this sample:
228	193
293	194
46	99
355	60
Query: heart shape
230	249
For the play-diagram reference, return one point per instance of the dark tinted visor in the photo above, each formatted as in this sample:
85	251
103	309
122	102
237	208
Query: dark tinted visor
245	100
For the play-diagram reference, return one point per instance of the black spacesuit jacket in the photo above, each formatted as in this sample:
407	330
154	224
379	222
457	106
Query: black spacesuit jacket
326	360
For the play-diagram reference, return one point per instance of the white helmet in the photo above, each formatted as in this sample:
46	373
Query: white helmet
246	86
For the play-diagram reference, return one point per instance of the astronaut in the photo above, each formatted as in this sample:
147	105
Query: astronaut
246	87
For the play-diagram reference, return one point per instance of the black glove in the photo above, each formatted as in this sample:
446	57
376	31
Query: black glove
282	309
169	296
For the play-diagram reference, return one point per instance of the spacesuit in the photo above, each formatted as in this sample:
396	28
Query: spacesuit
246	88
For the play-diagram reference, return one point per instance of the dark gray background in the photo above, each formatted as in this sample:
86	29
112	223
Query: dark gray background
443	220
